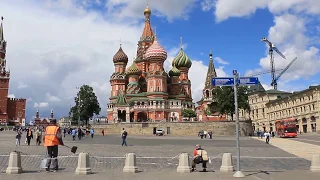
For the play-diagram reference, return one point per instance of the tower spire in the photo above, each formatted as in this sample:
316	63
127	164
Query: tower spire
1	30
181	42
211	73
51	114
147	31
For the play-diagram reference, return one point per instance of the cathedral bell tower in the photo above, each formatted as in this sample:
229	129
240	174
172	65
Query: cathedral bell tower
118	78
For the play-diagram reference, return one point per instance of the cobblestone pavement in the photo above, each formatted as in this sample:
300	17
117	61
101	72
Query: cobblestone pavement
297	148
156	154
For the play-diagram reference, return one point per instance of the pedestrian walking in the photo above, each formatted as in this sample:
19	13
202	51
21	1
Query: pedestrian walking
52	139
29	136
38	137
124	135
91	133
73	133
267	136
102	132
18	138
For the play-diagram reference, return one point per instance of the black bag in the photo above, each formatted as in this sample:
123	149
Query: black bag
125	133
198	159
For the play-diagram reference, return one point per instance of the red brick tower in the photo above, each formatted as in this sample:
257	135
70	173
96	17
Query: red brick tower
4	78
207	105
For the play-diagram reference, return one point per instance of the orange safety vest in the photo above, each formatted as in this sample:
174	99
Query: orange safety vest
50	136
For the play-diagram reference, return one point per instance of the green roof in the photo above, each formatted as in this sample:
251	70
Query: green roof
121	100
286	95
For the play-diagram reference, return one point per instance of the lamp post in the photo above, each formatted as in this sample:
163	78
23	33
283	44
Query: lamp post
238	173
79	106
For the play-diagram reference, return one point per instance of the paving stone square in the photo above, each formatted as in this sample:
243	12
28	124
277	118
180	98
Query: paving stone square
153	153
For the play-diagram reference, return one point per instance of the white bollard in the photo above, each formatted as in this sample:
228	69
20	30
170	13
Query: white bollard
83	164
226	165
14	165
184	163
315	163
130	165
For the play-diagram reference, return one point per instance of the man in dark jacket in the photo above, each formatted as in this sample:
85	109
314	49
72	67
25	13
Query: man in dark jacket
29	136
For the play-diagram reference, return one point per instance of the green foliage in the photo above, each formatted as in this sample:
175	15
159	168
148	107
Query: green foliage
208	111
88	106
224	97
189	113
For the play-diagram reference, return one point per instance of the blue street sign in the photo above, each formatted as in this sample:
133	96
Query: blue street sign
247	81
225	81
229	81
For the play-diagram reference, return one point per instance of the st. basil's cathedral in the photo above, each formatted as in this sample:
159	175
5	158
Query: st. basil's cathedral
144	90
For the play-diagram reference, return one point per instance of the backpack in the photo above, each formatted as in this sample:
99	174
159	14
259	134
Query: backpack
204	155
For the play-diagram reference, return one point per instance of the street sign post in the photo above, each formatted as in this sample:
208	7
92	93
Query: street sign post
236	81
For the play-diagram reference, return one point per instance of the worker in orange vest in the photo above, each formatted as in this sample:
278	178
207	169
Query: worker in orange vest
52	139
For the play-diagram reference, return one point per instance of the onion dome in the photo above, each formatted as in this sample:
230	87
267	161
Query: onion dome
120	56
133	69
156	52
181	60
174	72
147	10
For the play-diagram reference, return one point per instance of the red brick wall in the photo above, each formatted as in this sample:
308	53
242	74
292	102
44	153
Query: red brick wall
4	88
16	108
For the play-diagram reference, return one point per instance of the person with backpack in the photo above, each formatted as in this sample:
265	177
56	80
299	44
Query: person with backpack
200	156
124	135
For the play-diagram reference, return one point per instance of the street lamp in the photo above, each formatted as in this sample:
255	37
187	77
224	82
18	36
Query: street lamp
79	106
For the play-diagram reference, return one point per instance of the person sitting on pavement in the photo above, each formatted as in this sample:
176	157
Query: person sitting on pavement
199	156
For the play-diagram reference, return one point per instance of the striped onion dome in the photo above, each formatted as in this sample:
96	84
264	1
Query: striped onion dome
120	56
174	72
181	60
133	69
156	52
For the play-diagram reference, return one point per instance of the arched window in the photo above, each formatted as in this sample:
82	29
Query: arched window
207	93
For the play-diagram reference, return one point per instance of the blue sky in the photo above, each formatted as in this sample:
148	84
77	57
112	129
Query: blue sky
57	45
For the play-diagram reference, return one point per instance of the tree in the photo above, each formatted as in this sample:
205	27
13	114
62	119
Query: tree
86	103
189	113
224	97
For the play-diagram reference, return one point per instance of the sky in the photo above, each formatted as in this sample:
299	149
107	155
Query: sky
54	46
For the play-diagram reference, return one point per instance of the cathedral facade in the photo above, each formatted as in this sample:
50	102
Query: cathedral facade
144	91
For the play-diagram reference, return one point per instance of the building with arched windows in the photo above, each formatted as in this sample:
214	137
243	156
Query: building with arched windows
269	106
145	91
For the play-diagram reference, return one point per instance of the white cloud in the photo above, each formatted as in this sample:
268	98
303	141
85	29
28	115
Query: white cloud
41	105
68	46
207	5
225	9
11	96
52	98
22	85
221	61
165	8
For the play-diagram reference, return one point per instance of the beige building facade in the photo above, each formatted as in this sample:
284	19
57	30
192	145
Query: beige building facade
266	107
303	105
259	111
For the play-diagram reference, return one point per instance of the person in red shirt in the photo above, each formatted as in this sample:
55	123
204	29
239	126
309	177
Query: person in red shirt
197	158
